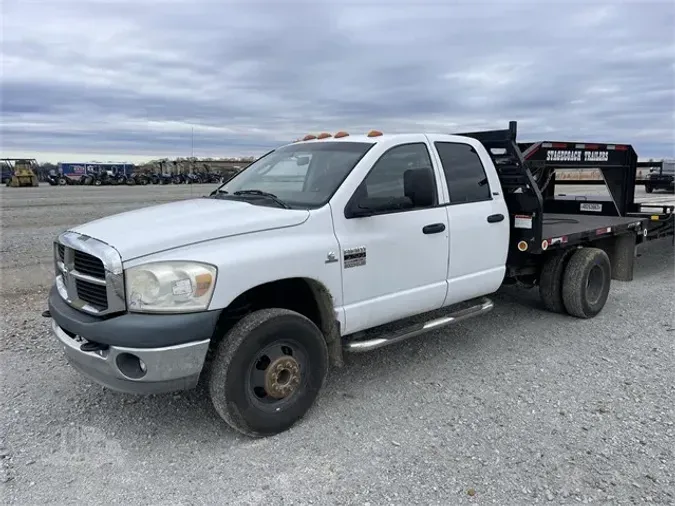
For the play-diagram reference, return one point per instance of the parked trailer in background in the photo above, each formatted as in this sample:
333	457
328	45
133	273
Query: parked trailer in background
78	172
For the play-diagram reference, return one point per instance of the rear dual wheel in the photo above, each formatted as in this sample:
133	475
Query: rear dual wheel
576	282
268	371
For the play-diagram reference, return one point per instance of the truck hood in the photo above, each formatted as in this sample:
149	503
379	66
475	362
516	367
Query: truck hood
166	226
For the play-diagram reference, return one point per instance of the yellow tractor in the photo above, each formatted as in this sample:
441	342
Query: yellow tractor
23	171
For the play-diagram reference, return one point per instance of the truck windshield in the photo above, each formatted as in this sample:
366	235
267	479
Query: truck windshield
299	175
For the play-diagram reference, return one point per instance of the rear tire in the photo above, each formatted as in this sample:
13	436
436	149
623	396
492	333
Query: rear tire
551	281
251	395
586	282
649	189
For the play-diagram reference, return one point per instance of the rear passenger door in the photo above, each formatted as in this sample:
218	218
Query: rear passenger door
478	219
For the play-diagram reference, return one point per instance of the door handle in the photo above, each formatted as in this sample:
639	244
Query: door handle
434	229
494	218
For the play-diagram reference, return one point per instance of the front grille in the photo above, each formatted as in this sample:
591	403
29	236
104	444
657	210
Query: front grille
94	294
89	274
88	264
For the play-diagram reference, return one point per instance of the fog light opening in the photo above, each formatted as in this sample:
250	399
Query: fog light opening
131	366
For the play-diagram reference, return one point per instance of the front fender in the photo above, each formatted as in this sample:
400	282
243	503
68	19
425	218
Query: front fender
249	260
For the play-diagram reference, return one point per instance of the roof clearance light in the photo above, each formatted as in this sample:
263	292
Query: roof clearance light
374	133
341	134
309	137
324	135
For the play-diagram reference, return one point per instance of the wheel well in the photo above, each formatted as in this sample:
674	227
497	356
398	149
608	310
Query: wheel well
302	295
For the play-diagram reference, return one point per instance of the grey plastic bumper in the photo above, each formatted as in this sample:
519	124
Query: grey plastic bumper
164	369
134	330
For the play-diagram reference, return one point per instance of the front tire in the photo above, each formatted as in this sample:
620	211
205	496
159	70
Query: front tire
586	282
649	189
267	371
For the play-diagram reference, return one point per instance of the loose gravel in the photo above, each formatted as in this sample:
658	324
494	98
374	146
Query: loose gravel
519	407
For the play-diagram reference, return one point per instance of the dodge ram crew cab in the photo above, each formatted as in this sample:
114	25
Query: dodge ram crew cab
329	245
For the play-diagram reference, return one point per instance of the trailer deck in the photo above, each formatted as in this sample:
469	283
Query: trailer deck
570	228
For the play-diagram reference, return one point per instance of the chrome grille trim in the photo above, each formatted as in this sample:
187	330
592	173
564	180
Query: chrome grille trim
67	275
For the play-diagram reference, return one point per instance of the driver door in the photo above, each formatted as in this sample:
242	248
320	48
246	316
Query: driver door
394	263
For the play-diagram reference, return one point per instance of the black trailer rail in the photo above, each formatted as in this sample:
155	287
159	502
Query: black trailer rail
540	220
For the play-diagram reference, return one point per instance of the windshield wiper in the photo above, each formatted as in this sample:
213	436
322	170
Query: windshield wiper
261	193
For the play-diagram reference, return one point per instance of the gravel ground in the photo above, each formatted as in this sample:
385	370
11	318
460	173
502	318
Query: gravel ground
508	409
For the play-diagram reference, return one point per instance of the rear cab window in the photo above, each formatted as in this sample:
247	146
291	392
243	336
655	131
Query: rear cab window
464	172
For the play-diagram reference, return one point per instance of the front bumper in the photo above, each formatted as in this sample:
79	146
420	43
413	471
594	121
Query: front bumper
134	353
136	370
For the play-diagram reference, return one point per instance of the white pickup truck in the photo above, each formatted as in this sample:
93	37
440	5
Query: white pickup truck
332	244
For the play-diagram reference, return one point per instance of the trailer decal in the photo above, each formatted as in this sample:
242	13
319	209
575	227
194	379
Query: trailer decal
522	221
596	208
576	156
596	156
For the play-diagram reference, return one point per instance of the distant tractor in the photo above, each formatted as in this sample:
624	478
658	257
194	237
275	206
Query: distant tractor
23	172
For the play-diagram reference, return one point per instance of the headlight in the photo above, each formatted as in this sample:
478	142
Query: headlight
170	287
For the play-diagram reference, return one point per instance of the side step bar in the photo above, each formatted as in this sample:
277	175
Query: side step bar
484	306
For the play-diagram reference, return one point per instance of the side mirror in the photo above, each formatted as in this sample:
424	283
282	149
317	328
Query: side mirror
370	206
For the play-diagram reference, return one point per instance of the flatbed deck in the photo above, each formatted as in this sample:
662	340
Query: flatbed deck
575	227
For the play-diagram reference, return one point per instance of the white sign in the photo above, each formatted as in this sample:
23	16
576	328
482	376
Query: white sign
596	208
520	221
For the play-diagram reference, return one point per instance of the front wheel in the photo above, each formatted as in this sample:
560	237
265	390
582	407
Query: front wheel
268	371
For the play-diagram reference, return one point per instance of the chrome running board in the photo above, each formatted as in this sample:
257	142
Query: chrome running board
484	305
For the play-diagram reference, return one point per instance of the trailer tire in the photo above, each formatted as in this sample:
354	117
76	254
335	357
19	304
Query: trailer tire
586	282
255	398
551	281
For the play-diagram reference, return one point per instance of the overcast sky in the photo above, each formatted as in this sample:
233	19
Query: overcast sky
117	80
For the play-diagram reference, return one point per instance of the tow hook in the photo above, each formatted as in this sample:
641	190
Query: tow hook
92	346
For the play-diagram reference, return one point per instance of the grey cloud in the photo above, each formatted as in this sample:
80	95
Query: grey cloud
135	77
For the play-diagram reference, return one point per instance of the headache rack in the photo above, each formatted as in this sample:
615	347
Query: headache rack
527	172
